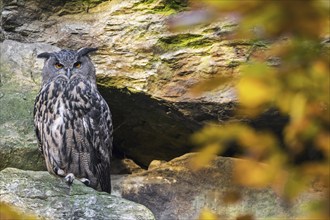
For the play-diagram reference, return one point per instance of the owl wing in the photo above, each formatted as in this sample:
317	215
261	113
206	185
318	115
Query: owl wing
37	115
99	131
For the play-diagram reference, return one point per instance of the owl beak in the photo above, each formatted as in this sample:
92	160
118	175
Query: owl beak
68	73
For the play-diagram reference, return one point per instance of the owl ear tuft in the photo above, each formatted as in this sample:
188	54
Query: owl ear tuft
85	50
45	55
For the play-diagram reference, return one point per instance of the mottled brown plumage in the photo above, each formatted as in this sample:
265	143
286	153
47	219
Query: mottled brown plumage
72	121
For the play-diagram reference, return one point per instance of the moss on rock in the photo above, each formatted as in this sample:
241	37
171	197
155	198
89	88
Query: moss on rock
164	7
180	41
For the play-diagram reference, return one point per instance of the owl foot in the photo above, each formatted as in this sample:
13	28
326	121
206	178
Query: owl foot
69	178
85	181
58	171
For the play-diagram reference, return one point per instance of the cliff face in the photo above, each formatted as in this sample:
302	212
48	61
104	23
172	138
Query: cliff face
144	71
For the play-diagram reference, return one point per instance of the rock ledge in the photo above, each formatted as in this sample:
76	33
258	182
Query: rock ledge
49	197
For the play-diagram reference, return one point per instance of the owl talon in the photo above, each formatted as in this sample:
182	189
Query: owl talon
58	171
85	181
69	178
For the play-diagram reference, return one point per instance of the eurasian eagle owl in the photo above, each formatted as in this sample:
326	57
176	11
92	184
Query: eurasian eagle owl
72	121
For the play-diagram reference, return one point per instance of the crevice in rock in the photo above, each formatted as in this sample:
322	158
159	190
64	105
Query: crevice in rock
146	127
149	128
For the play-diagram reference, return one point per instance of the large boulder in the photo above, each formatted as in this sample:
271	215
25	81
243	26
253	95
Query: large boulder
174	190
48	197
20	82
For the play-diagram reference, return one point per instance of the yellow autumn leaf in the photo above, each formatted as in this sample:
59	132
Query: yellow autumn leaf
206	214
209	134
323	143
257	144
295	185
205	156
317	170
211	84
283	102
297	107
254	174
11	212
253	92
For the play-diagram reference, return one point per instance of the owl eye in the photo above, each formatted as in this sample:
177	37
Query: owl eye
77	64
58	66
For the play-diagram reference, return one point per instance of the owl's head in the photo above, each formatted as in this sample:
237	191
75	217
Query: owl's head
68	63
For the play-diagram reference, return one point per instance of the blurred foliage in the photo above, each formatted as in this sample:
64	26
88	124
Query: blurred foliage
207	215
8	212
298	86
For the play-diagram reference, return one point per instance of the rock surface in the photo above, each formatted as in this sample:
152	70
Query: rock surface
48	197
144	70
184	192
20	81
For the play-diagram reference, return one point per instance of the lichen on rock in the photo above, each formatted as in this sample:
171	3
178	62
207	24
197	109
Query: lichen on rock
18	89
49	197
